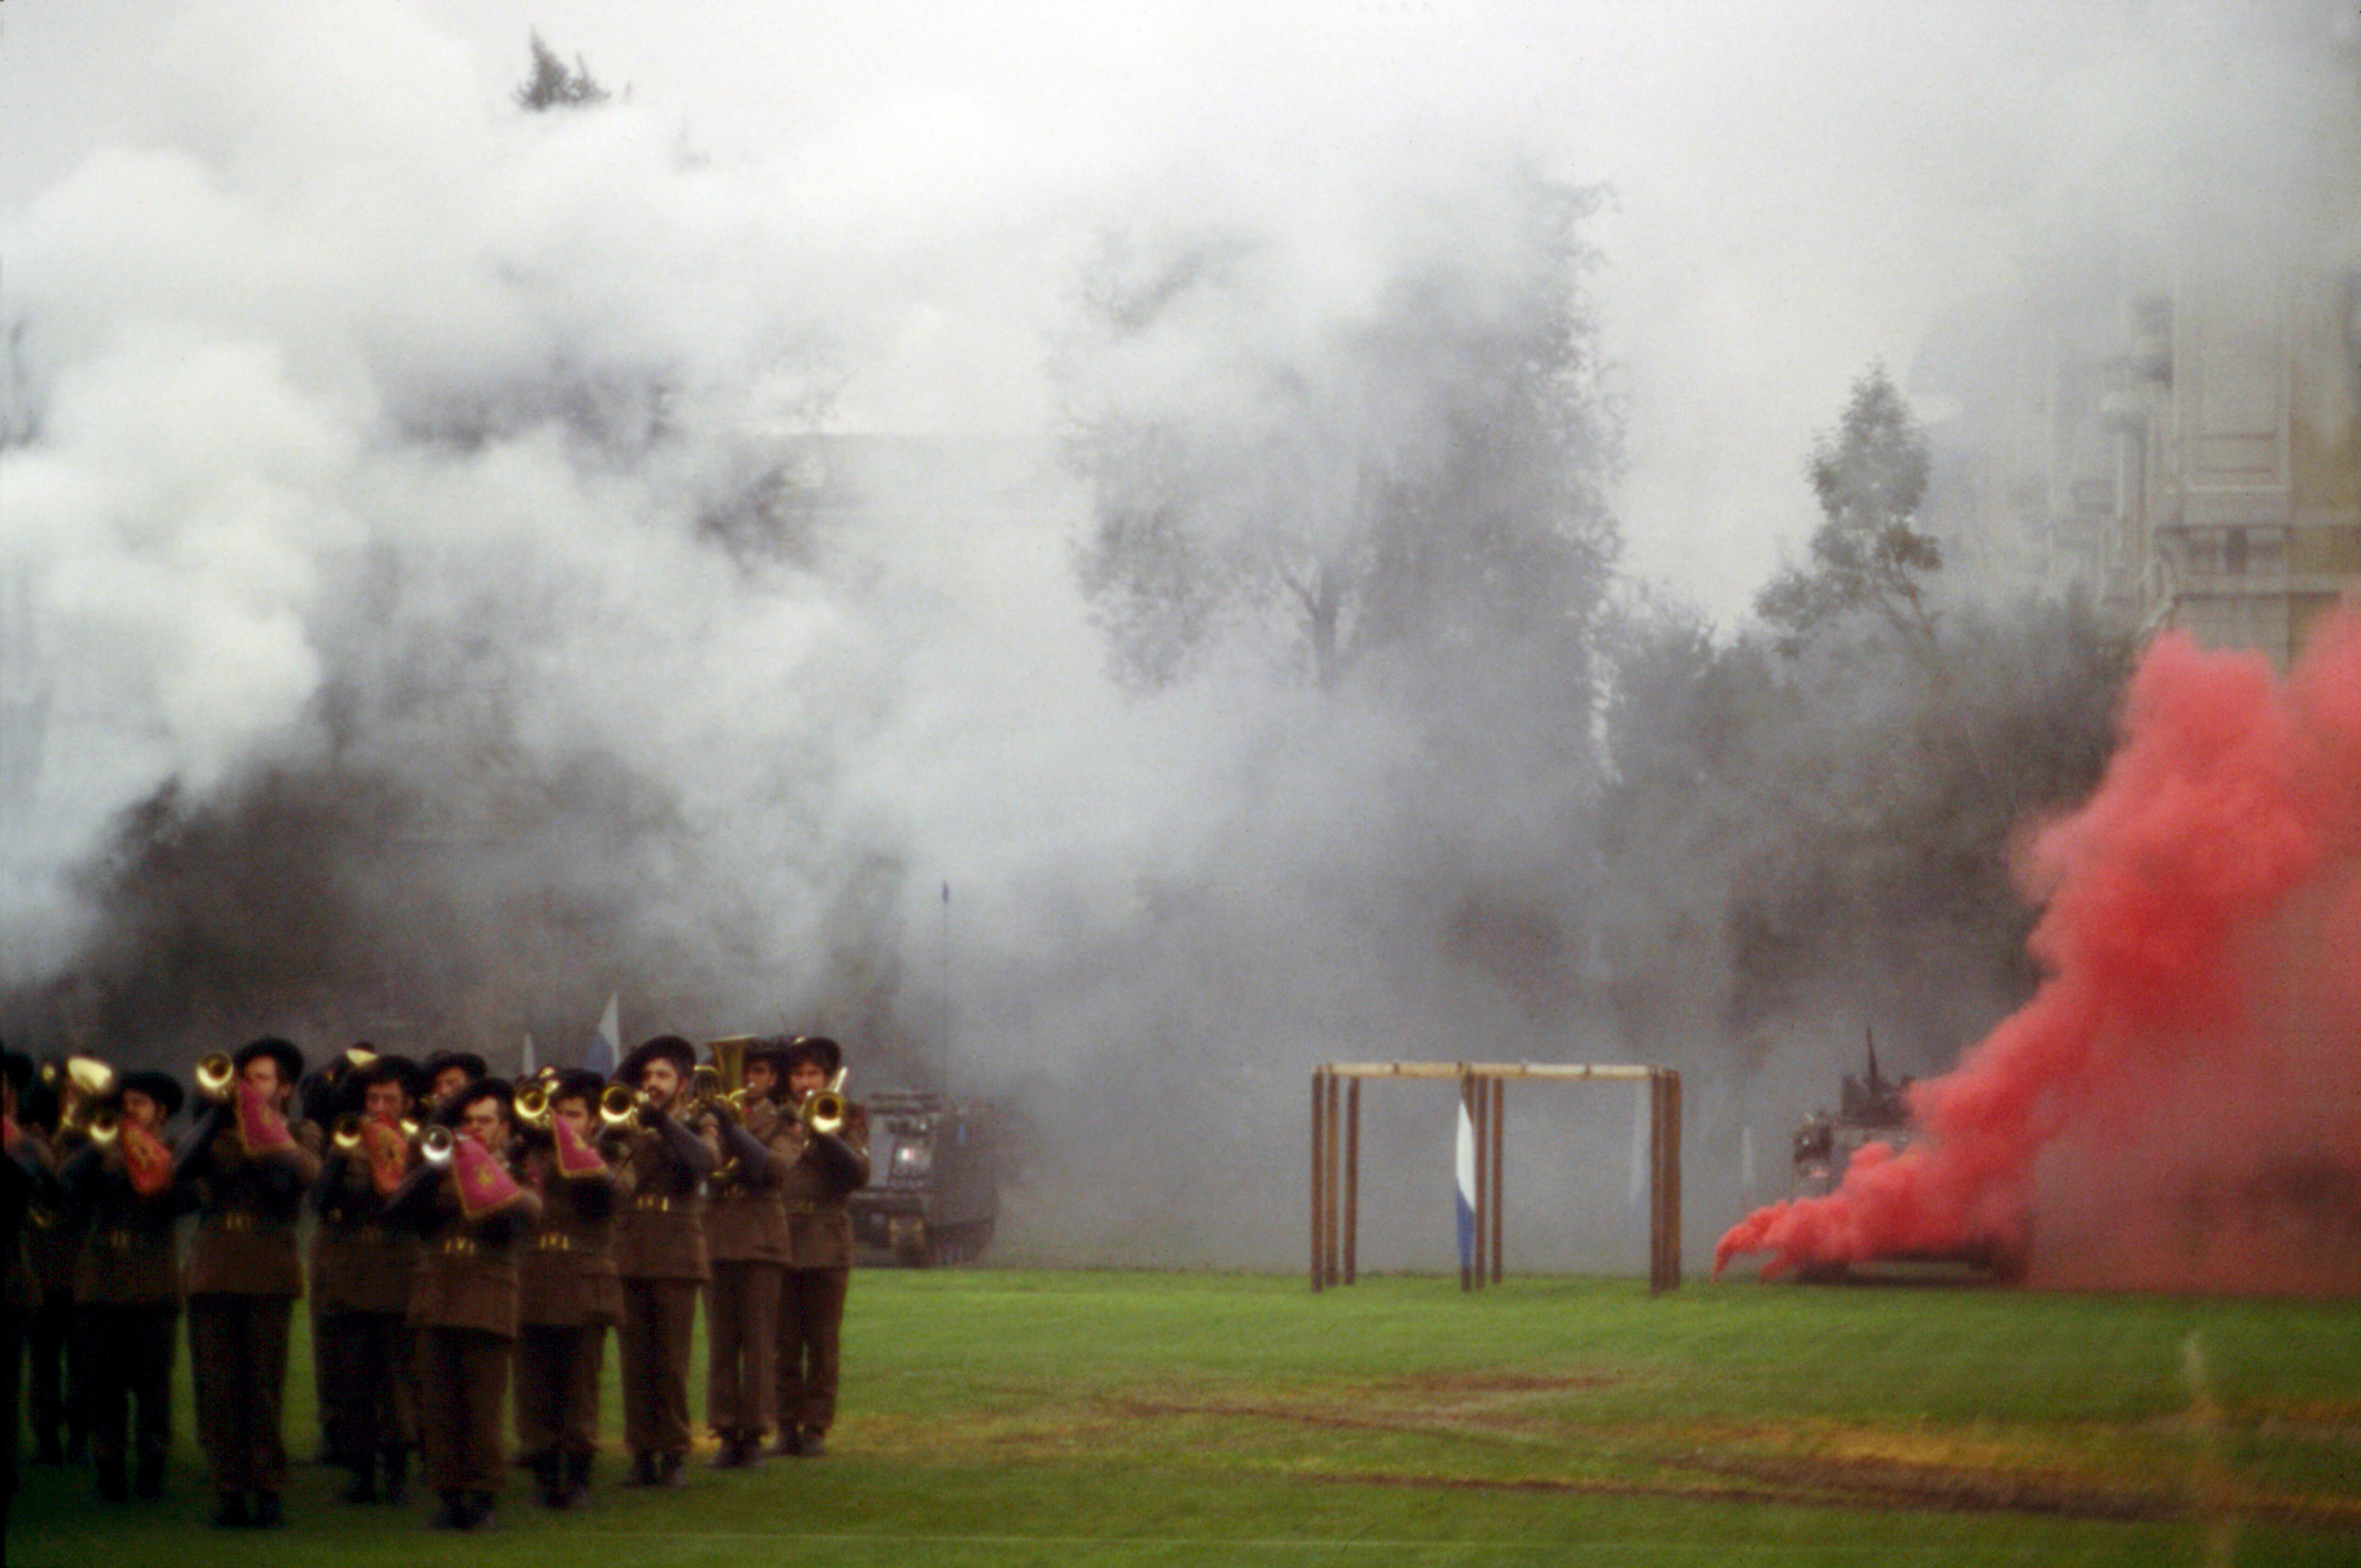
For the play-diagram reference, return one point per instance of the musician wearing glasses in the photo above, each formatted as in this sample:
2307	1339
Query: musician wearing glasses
472	1212
829	1137
661	1258
361	1277
568	1296
248	1174
127	1281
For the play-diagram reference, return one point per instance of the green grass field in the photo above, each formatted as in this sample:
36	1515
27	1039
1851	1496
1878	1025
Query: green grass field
1003	1417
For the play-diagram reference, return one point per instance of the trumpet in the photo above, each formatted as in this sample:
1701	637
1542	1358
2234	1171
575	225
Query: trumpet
80	1083
214	1076
347	1132
826	1109
533	1105
105	1127
619	1105
436	1145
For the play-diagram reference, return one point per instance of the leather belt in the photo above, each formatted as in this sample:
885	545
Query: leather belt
457	1246
557	1241
658	1205
239	1222
812	1206
122	1240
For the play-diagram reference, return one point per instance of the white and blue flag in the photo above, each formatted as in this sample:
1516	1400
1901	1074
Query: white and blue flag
1466	1196
607	1049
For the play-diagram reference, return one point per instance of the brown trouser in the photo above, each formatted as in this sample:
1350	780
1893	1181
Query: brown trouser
366	1384
558	1370
742	1344
126	1358
463	1376
237	1354
811	1328
659	1318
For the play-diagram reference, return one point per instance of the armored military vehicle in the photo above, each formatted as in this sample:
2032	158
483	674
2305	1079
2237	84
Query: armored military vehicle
1873	1109
934	1186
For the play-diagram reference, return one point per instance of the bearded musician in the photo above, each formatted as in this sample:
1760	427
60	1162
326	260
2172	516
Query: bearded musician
568	1295
660	1256
467	1204
127	1281
247	1173
360	1280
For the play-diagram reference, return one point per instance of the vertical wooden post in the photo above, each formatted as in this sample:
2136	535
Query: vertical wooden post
1334	1147
1318	1197
1664	1182
1352	1180
1499	1125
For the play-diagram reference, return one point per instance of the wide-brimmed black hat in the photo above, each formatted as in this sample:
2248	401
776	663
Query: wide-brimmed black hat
671	1047
499	1089
815	1047
283	1052
466	1061
390	1069
161	1086
576	1083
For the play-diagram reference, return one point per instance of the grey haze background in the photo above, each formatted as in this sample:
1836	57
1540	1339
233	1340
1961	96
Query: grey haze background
289	489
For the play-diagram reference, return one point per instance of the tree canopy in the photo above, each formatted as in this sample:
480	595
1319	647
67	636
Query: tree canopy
1420	467
553	87
1868	554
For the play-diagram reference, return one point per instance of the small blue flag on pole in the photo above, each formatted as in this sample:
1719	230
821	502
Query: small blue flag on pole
1467	1194
607	1049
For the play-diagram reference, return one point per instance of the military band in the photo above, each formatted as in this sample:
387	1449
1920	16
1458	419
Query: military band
469	1233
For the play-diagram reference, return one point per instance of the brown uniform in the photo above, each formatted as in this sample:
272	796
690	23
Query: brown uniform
22	1172
243	1277
816	1190
53	1389
463	1308
362	1264
746	1237
569	1297
128	1308
661	1258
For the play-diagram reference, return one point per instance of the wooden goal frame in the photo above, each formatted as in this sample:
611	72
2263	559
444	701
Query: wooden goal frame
1483	1087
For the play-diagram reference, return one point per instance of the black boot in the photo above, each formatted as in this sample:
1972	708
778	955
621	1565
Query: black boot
790	1440
47	1449
479	1510
548	1490
643	1472
231	1513
362	1488
267	1514
397	1471
578	1480
733	1454
148	1480
813	1443
667	1470
113	1485
451	1514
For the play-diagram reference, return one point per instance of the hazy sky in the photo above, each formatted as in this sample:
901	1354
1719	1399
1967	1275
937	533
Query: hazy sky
1799	186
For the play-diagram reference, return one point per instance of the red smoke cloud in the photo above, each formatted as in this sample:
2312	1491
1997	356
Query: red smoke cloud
2178	1106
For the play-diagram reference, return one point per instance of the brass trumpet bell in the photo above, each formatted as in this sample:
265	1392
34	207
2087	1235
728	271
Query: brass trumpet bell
826	1109
105	1127
619	1105
533	1106
435	1145
214	1076
347	1132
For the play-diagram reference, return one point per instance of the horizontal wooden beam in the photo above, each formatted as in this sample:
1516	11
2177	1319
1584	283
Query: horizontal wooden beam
1447	1070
